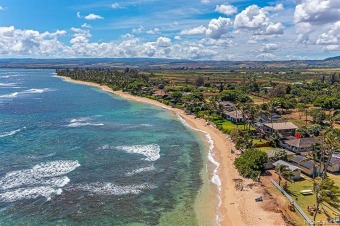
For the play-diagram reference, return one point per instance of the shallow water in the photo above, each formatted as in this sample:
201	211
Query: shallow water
72	154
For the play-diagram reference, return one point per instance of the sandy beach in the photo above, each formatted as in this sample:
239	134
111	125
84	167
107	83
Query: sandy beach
237	207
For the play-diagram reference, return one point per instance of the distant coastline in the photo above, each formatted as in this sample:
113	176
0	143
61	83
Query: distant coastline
235	207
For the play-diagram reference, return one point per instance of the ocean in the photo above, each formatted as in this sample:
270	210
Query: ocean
72	154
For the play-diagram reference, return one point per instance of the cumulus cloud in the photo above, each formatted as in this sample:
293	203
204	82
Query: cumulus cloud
138	30
177	37
29	42
311	15
93	16
85	25
226	9
269	47
1	8
266	56
331	38
215	29
164	42
153	31
80	36
256	19
79	15
194	31
205	1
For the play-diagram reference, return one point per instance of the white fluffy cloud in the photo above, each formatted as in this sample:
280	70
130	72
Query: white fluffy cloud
1	8
93	16
331	38
164	42
226	9
256	19
269	47
29	42
153	31
215	29
321	17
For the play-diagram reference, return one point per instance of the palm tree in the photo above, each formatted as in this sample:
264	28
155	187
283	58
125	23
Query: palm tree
283	171
326	192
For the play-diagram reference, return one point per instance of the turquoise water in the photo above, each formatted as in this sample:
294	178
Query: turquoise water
74	155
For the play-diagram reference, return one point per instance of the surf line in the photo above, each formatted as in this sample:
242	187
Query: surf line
215	179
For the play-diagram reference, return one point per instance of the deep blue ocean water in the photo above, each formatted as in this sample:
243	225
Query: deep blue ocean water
72	154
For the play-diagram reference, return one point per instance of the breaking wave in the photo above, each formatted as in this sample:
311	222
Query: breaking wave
112	189
83	121
151	152
140	170
29	193
29	91
11	133
43	179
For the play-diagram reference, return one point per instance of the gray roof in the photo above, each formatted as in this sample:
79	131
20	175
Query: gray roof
281	125
302	142
227	103
235	114
290	166
303	161
272	153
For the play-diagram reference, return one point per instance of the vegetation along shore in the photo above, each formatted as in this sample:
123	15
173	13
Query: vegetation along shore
266	127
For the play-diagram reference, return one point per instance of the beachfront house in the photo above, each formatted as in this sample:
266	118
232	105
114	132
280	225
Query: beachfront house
296	170
306	165
235	116
334	163
285	129
227	106
298	145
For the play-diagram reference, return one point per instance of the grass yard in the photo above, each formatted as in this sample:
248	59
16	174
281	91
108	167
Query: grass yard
309	200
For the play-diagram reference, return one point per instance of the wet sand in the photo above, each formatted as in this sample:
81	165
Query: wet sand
236	207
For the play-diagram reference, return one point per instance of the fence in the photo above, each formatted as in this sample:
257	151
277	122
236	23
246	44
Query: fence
310	222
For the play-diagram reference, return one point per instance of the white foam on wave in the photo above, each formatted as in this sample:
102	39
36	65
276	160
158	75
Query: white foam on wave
11	133
112	189
45	179
7	84
215	179
29	193
140	170
28	91
151	152
84	121
42	174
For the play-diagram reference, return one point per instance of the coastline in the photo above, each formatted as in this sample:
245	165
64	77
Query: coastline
235	207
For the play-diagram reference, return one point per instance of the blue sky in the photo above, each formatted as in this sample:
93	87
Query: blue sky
192	29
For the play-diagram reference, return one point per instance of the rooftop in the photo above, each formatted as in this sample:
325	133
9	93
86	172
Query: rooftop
235	114
302	142
290	166
281	125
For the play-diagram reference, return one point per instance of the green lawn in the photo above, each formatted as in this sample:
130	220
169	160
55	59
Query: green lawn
308	200
227	126
257	99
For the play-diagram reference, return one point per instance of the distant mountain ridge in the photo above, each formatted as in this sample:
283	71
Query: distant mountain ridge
333	58
159	63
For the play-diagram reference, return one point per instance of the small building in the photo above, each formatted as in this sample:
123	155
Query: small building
227	105
296	170
235	116
334	163
267	118
307	166
273	153
285	129
299	145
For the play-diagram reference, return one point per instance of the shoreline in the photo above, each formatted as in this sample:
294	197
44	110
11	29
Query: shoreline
233	207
